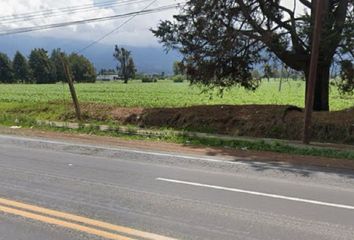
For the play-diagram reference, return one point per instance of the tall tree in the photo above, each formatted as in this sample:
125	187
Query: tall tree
131	69
6	74
222	40
268	71
82	69
177	68
21	68
256	75
56	59
126	67
41	67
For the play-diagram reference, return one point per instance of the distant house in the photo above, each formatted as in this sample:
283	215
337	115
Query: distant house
108	77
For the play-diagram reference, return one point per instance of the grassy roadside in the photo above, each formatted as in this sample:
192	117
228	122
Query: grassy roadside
184	138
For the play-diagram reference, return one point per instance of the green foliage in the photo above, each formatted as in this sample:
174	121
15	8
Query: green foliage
256	75
126	67
131	68
178	68
82	69
56	59
148	79
43	71
268	71
6	72
178	79
346	83
21	69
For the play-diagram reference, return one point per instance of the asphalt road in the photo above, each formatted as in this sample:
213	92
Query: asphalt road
57	190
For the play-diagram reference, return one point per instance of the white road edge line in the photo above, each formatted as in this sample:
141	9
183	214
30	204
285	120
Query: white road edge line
295	199
160	154
121	149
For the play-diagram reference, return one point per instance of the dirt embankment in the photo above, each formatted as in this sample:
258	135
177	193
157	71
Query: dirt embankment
266	121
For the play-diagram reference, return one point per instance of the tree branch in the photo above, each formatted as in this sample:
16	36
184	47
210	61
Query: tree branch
306	3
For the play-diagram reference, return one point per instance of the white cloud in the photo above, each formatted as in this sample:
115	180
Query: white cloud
134	33
291	4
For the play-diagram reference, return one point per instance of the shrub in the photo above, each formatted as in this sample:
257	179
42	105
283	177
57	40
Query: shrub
147	79
178	79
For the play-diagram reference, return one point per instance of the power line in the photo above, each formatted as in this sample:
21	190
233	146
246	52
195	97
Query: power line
26	14
69	11
115	29
99	19
66	11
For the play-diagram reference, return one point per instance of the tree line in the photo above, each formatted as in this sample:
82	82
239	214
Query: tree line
269	71
42	68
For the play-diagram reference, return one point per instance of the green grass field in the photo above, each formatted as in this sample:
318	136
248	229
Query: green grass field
162	94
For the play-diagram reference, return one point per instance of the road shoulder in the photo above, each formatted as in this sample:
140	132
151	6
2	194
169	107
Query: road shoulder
160	146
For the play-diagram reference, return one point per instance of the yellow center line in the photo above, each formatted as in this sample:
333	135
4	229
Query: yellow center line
84	220
64	224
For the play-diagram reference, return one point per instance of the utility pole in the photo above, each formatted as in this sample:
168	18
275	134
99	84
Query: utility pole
313	71
281	77
72	89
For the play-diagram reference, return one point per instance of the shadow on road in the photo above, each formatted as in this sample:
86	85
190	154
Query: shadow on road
296	164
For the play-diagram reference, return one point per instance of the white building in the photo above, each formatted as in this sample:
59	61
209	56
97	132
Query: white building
102	77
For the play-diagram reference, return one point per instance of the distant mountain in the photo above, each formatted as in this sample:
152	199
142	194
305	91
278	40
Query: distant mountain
147	59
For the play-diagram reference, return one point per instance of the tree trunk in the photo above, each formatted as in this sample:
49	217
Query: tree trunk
281	78
321	101
280	84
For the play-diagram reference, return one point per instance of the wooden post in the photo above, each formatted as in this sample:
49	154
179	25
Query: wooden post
72	89
313	71
281	78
